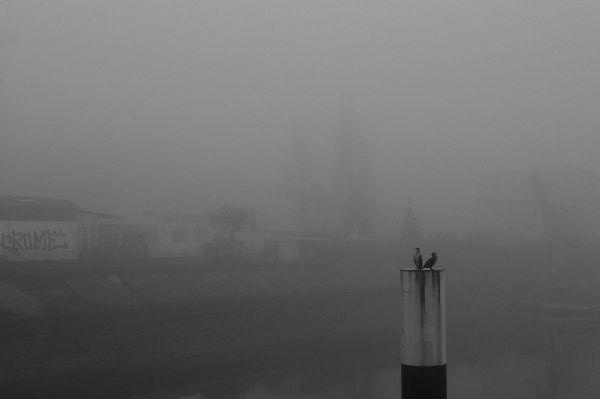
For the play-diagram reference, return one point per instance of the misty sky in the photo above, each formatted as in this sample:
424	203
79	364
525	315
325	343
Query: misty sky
182	104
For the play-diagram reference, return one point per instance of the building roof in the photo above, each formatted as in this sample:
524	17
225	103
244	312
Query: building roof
36	208
100	215
175	217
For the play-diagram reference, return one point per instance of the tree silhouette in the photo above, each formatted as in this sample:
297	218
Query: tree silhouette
232	219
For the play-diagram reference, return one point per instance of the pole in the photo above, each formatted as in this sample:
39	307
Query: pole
423	338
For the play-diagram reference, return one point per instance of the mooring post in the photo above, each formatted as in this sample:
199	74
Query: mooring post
423	340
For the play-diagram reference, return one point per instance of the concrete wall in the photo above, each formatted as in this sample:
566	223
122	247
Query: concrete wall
124	241
87	233
38	240
288	251
169	239
178	239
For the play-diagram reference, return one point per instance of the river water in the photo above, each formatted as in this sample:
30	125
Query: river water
568	367
497	378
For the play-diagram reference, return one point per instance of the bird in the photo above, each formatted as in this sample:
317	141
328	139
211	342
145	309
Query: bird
418	259
431	261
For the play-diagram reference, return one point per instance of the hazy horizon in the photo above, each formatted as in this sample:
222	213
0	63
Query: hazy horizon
187	105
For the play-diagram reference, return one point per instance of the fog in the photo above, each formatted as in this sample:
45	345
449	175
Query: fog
468	127
187	105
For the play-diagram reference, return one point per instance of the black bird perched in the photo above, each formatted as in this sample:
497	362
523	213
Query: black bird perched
418	259
431	261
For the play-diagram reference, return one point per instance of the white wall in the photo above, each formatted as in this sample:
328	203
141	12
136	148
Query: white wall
87	232
38	240
288	251
165	245
190	246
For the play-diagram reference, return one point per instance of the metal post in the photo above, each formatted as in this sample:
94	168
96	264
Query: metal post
423	345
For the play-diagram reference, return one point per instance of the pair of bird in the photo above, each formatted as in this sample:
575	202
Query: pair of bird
418	259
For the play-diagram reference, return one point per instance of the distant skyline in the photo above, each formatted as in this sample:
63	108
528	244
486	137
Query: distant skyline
162	105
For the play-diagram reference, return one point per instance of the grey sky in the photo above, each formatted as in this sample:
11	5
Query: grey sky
445	91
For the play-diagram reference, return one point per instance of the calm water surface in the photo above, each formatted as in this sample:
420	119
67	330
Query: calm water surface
569	368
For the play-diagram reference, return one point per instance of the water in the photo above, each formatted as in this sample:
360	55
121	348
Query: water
568	367
498	378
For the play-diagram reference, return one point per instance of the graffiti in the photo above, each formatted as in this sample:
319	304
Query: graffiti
126	240
44	240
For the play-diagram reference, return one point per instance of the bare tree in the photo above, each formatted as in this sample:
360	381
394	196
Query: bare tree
233	219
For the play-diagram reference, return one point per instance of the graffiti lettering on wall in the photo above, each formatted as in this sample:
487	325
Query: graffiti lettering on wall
44	240
126	240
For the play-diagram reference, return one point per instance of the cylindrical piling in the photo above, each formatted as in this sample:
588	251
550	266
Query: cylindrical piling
423	341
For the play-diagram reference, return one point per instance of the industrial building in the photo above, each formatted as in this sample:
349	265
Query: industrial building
37	228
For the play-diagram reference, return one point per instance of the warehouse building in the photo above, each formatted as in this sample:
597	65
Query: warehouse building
37	228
